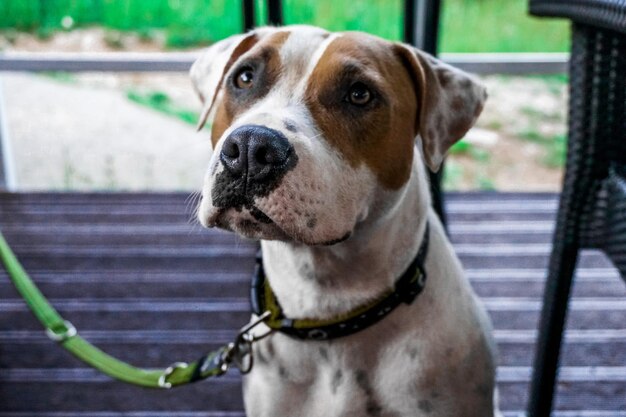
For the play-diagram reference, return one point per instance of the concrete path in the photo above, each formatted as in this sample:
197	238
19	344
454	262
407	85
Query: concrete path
68	136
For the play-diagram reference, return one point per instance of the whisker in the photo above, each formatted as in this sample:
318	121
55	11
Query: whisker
193	207
315	137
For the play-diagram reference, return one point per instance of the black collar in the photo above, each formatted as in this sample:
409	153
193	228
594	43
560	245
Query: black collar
407	287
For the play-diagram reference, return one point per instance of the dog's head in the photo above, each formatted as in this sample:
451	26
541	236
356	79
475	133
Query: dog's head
312	129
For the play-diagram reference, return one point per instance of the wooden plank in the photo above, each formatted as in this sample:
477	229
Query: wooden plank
32	349
64	393
171	292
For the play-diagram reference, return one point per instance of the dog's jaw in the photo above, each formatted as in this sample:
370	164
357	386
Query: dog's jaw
327	281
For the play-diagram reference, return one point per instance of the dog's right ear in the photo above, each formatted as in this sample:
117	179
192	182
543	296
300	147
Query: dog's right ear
449	102
207	73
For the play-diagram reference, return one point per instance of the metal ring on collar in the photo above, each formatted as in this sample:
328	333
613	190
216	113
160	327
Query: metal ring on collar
421	280
62	337
162	382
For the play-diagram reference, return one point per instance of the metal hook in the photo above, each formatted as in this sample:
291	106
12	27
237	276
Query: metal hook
239	353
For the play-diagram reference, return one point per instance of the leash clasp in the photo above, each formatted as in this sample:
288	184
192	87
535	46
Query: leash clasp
239	352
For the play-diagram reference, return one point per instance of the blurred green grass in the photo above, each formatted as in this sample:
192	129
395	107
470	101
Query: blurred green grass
466	25
159	101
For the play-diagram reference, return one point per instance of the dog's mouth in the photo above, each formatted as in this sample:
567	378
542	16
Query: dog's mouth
252	223
260	216
248	222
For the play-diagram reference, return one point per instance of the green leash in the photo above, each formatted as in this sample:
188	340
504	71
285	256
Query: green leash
237	353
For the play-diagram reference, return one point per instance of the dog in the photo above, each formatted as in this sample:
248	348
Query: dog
320	146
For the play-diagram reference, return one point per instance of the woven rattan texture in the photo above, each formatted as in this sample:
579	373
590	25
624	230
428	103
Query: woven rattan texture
607	14
593	192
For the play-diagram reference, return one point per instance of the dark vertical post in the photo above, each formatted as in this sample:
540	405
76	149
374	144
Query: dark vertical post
409	21
248	15
421	24
421	29
275	12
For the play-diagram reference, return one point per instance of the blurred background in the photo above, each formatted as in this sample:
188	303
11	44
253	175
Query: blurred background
135	131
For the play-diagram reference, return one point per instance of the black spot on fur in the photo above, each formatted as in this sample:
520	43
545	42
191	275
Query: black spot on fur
372	407
306	270
466	83
445	76
425	405
362	381
260	357
336	381
290	125
282	371
324	353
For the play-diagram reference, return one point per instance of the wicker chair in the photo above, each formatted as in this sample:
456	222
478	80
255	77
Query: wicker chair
592	211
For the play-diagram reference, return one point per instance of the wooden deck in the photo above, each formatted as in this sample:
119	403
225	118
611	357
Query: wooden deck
144	283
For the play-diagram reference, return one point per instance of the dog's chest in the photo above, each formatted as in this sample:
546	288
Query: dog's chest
315	379
335	379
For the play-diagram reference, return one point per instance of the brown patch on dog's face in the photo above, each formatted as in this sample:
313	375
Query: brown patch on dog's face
265	64
379	134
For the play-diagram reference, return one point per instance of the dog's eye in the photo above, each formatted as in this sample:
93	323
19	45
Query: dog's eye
244	78
359	94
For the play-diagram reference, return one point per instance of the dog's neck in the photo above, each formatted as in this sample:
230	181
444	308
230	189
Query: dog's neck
325	281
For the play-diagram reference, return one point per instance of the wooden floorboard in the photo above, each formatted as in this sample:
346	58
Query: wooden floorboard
143	281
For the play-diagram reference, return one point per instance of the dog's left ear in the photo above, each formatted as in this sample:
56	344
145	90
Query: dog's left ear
449	102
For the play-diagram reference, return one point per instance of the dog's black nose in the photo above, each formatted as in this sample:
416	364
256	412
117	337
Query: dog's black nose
256	153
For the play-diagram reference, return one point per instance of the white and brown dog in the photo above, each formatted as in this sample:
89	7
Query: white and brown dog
314	137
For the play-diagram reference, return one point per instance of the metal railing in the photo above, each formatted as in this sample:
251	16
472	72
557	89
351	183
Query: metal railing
479	63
